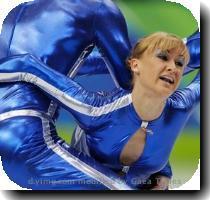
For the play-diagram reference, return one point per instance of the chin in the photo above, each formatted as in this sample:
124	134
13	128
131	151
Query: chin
165	92
167	89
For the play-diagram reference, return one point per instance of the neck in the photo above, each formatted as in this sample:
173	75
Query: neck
147	105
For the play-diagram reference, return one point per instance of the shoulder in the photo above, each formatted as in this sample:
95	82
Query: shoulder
113	96
178	99
105	103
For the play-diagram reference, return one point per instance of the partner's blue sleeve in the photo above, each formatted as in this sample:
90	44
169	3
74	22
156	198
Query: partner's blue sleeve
85	106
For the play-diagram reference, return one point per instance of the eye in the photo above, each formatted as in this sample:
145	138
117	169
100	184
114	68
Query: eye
180	64
163	57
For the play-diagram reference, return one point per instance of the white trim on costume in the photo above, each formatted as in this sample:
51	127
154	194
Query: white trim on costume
67	100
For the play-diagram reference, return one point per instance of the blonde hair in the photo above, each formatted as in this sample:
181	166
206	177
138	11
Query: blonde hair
159	40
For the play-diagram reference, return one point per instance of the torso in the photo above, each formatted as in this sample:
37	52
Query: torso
110	143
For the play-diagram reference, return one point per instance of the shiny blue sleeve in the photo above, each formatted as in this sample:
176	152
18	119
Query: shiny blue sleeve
85	106
193	45
188	97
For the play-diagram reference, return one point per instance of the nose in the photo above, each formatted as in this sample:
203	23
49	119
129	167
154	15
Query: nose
171	66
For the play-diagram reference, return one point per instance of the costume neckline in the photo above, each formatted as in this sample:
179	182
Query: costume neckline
135	117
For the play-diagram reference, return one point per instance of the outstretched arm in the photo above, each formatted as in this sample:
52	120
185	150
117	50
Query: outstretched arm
188	97
85	106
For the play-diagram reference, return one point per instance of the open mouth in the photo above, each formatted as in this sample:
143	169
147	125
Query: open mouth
167	79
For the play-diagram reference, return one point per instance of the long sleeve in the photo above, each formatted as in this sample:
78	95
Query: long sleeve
84	106
193	45
188	97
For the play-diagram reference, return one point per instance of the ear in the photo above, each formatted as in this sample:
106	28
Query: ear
134	65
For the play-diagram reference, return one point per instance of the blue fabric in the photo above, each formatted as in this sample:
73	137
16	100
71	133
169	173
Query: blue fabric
58	33
29	162
193	45
110	120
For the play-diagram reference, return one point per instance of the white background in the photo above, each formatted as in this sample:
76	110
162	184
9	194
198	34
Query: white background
7	5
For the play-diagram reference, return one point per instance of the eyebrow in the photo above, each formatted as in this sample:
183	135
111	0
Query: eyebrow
167	51
158	51
181	56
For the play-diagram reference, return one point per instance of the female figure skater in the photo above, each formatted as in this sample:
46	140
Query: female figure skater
133	132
